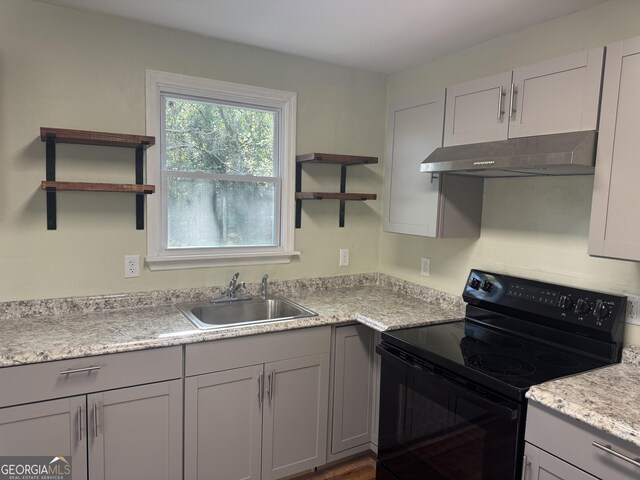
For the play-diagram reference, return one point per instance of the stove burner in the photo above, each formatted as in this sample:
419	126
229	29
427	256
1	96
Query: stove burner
557	360
500	364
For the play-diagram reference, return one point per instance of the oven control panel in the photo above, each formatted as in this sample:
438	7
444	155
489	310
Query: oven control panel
592	310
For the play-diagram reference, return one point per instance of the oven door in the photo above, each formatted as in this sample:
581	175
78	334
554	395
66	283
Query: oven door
436	427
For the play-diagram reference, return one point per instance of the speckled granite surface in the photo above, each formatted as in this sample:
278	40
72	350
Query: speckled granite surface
37	331
607	399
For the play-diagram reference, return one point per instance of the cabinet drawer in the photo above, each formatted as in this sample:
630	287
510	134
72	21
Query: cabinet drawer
252	350
572	441
64	378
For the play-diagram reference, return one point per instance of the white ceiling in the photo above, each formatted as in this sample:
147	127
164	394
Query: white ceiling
376	35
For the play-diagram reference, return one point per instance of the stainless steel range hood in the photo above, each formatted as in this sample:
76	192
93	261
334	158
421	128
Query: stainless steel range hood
560	154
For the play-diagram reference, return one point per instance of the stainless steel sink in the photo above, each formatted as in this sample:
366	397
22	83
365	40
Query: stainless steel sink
208	315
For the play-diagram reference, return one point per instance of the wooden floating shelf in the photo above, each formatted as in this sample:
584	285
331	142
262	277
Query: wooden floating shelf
331	158
97	187
335	196
54	136
84	137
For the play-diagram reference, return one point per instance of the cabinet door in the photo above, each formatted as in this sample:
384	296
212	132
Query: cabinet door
223	425
542	466
477	111
375	394
351	423
295	416
559	95
411	198
136	433
56	428
613	231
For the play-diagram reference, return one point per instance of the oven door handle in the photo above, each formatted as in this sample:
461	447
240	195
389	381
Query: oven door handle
499	407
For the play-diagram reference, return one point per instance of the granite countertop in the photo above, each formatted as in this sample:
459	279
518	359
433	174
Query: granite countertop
606	398
39	331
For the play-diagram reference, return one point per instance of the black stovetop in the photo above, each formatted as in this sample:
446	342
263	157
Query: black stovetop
504	362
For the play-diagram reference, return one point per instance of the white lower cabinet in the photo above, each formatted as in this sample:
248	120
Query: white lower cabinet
223	425
295	418
112	414
136	433
133	433
352	388
561	448
539	465
53	428
264	421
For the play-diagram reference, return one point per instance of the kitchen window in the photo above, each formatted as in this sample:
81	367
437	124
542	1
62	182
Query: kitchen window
223	166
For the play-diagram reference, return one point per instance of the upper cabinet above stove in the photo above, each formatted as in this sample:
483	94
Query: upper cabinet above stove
554	96
614	231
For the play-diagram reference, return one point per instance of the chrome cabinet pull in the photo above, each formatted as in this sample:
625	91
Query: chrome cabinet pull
501	93
79	423
525	466
79	370
512	107
607	448
270	387
95	420
260	390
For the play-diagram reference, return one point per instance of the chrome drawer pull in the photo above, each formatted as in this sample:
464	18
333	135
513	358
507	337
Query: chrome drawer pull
79	370
79	423
607	448
95	420
525	466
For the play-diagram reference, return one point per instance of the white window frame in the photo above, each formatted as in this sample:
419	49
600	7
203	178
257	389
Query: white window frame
164	83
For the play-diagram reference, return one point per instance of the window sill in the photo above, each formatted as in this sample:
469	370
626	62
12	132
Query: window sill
178	262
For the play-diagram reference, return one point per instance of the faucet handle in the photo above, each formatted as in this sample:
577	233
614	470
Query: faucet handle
264	285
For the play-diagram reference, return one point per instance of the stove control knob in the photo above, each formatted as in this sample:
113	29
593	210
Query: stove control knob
565	302
475	283
601	311
582	306
487	286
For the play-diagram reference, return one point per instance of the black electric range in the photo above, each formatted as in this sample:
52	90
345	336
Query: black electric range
452	403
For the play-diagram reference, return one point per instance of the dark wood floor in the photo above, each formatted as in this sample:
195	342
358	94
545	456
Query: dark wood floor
361	468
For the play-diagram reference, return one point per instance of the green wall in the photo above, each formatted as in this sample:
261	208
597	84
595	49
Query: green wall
71	69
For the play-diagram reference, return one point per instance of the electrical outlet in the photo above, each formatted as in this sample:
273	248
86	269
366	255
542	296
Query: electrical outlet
425	266
633	309
344	257
131	266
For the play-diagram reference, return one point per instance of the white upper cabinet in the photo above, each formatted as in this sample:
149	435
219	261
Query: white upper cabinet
554	96
411	198
614	232
418	203
477	111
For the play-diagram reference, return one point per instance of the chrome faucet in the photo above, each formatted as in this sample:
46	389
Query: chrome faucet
264	286
234	286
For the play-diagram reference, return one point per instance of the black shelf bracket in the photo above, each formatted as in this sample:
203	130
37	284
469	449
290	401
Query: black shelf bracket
298	190
140	181
52	223
343	189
